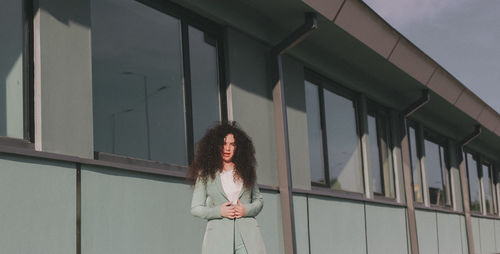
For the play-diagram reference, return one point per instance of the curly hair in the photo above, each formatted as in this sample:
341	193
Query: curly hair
208	157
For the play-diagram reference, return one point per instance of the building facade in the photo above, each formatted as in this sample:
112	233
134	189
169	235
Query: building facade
364	144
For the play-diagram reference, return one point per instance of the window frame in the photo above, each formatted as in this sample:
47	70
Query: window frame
186	18
325	83
28	139
378	111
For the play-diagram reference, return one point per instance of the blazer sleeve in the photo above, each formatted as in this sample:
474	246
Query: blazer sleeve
254	208
199	207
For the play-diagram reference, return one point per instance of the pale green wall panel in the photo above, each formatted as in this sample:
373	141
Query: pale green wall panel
336	226
449	233
386	230
38	213
427	232
64	110
487	234
251	97
301	223
297	122
463	233
270	223
127	212
497	235
476	234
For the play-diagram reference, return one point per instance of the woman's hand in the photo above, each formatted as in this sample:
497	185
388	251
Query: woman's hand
227	210
239	210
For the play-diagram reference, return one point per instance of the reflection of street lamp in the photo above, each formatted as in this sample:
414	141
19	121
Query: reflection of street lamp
145	79
113	123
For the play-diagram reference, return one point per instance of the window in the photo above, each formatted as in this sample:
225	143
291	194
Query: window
473	176
489	190
429	162
334	147
379	149
156	82
437	172
13	112
415	165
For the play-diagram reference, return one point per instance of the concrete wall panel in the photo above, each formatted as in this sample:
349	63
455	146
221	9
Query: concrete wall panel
297	123
336	225
251	97
362	23
470	103
301	223
386	229
449	233
487	233
328	8
413	61
38	213
427	232
63	78
488	118
445	85
476	234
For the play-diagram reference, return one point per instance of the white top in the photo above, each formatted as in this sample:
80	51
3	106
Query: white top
231	188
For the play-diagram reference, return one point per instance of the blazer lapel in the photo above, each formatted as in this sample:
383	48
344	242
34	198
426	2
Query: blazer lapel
219	185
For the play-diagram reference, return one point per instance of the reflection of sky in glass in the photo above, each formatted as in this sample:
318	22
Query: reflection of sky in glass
374	155
415	166
473	182
11	68
434	172
314	133
204	82
135	50
344	157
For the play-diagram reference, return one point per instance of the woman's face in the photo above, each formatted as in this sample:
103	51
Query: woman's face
228	148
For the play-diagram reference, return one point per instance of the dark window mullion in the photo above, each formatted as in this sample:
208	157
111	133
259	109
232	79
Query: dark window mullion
28	93
222	77
187	91
324	135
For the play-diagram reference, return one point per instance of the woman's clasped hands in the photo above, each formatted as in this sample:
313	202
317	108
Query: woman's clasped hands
231	211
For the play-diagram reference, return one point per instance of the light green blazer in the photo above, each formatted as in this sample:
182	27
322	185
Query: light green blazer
218	239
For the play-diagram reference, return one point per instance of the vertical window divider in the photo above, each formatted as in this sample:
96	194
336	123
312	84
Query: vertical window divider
423	168
28	93
364	140
481	183
186	66
324	135
497	186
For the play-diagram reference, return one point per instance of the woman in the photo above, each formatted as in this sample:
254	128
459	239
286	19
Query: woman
225	192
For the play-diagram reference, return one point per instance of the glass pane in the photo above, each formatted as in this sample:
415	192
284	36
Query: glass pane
314	133
137	82
487	188
344	157
415	166
434	173
474	190
377	180
204	81
11	69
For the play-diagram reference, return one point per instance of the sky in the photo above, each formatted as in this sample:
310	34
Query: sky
463	36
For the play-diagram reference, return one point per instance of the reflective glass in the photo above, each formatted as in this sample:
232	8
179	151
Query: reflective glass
11	68
137	82
487	188
415	166
434	170
380	155
314	133
204	81
344	156
474	190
